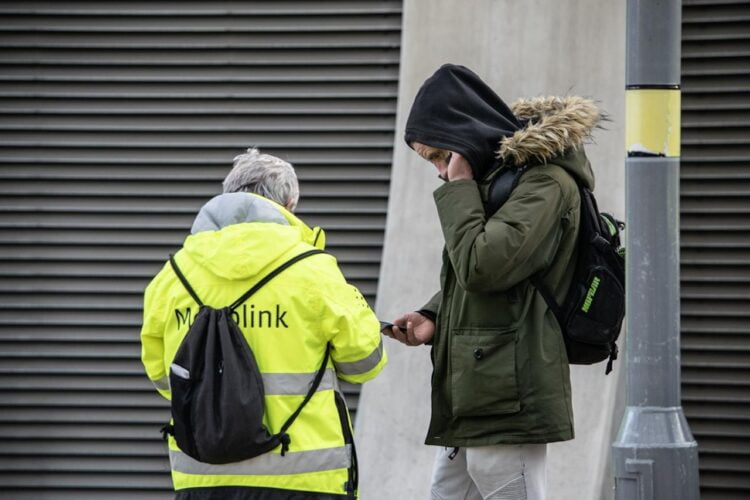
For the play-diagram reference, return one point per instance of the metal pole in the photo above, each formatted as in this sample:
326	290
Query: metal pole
655	455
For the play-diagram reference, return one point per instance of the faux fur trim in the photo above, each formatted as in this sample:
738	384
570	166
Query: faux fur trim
554	125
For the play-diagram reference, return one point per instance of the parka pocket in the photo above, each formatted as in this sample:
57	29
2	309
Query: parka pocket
483	372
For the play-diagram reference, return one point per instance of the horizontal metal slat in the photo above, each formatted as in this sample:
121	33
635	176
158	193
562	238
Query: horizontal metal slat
254	73
99	467
353	222
715	374
716	49
175	187
83	416
222	139
718	411
699	122
309	206
15	348
350	261
88	399
715	12
711	223
80	431
83	334
34	492
98	268
719	394
204	57
717	188
197	123
737	429
725	463
714	308
220	9
720	240
699	101
123	285
307	174
99	236
727	135
726	205
710	32
730	360
180	21
94	381
384	36
691	169
713	324
46	481
48	448
716	341
198	106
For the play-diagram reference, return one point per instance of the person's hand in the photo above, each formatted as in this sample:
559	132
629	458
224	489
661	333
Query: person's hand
419	329
459	168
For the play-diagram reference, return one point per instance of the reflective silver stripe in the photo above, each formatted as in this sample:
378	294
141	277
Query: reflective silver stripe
180	371
270	464
162	384
363	365
276	384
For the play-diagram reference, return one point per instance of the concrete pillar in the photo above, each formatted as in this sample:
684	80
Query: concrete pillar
522	49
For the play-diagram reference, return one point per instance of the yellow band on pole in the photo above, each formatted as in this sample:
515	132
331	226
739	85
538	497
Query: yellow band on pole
652	121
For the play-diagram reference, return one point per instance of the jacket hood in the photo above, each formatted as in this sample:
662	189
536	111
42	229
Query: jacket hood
455	110
555	127
237	235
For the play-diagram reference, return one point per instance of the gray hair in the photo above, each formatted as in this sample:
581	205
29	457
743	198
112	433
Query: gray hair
265	175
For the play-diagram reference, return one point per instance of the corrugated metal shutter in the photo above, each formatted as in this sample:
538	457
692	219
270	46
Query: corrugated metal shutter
715	229
118	120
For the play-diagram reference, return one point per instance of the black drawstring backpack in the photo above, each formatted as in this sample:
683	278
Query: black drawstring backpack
217	389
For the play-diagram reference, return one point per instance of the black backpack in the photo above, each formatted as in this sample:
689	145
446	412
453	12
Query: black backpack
591	315
217	389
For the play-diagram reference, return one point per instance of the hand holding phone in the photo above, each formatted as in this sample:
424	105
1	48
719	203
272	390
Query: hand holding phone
420	329
385	325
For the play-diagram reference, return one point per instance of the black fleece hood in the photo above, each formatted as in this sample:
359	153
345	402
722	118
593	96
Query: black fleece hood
456	110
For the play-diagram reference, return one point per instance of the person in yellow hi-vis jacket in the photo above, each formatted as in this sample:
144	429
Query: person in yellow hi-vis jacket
237	238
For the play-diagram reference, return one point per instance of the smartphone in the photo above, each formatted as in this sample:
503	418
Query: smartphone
385	324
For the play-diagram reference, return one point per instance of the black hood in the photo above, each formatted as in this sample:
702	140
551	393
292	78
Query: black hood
456	110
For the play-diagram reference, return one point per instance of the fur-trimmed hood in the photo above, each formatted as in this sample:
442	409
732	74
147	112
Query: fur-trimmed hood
553	125
555	128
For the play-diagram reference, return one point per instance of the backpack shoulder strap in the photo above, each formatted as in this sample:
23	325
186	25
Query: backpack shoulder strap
184	281
273	274
546	294
283	436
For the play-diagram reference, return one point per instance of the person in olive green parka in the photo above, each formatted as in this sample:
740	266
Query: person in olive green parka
501	383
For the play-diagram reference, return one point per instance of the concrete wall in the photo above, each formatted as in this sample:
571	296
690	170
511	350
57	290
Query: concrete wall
521	48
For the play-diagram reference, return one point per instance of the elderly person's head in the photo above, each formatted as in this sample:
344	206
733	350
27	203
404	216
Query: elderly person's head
266	175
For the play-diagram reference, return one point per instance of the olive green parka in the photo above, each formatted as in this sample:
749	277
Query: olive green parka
500	370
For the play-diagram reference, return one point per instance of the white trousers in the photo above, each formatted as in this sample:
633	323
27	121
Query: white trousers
500	472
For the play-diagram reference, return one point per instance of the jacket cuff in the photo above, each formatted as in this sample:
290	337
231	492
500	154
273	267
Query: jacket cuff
457	203
428	314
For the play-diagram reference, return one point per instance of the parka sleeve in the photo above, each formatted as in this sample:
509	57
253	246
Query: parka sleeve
358	353
430	309
152	339
519	240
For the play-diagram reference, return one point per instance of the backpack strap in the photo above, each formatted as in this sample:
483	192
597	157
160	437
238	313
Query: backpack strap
272	275
546	294
184	281
283	436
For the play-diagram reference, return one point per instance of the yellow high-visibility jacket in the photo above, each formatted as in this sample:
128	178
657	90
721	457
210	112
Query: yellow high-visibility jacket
237	239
